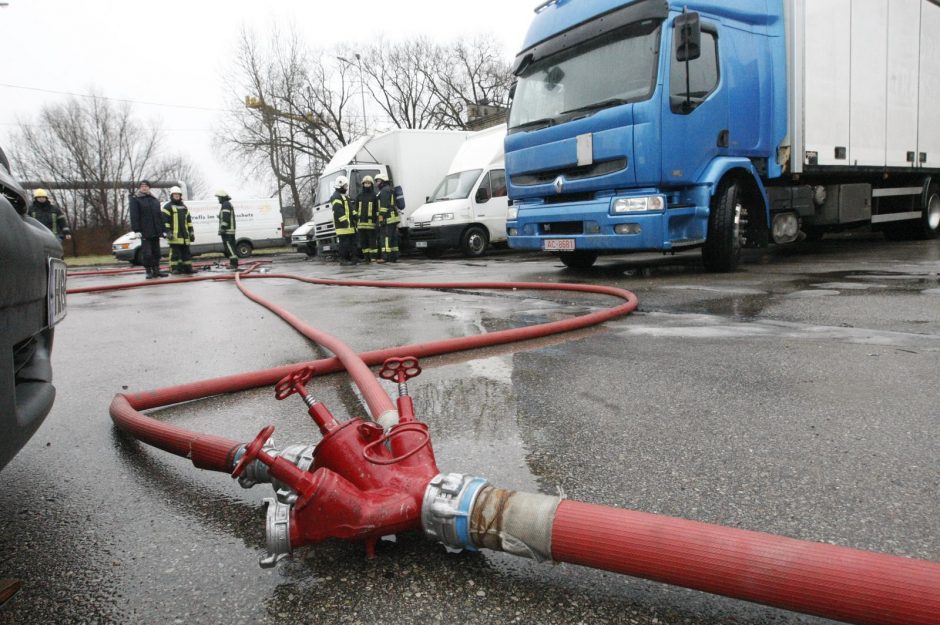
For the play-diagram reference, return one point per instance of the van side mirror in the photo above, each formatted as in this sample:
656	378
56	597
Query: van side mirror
688	36
483	195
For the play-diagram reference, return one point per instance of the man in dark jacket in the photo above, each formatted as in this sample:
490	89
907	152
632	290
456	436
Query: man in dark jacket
367	221
345	222
227	227
389	218
178	225
147	223
49	215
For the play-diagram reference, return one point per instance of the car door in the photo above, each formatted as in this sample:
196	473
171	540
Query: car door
491	203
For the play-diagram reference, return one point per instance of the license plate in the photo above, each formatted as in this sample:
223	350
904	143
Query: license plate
421	243
558	245
56	291
327	248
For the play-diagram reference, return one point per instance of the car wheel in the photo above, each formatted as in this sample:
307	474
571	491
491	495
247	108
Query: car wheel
243	249
578	260
722	249
474	242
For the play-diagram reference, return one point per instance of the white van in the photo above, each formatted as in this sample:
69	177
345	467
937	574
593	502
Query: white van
258	225
468	209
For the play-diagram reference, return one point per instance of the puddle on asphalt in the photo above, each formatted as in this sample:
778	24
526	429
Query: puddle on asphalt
701	326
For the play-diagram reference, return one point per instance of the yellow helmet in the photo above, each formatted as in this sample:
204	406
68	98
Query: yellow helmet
367	180
40	193
176	191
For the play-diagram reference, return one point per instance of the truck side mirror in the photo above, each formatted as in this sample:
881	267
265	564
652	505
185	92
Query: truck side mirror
483	195
689	37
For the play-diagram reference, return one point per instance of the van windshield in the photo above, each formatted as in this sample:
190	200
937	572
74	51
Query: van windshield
325	186
456	186
612	69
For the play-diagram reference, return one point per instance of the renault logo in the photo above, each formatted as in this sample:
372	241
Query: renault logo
559	184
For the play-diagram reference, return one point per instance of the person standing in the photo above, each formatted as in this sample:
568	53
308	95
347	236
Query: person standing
227	228
49	215
344	221
389	218
367	221
179	232
147	223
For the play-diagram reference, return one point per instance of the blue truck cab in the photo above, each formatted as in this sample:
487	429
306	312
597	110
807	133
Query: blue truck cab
663	125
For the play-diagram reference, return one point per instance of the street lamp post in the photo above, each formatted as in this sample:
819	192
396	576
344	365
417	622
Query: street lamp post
362	90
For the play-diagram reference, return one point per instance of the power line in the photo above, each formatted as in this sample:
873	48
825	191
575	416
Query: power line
101	97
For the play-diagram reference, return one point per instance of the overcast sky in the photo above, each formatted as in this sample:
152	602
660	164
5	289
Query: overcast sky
178	52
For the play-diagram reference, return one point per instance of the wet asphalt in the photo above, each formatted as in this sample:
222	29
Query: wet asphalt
799	396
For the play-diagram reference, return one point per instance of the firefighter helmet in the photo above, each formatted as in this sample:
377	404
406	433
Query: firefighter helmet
175	190
38	193
367	180
381	178
341	182
221	193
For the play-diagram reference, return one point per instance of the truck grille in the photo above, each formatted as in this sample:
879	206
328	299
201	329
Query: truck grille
562	227
570	173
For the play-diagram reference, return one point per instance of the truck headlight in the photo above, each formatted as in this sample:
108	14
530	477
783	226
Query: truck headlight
511	213
638	204
442	216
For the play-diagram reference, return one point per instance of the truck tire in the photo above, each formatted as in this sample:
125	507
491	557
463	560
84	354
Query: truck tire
243	249
474	242
928	226
722	249
578	260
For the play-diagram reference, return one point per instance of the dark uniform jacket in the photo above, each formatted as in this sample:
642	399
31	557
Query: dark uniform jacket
388	213
367	210
146	217
343	217
226	218
51	217
178	224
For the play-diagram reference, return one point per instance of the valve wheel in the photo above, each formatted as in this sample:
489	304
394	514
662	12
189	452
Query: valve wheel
252	450
400	369
292	382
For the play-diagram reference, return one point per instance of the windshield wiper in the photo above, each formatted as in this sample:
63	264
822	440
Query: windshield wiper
596	106
545	122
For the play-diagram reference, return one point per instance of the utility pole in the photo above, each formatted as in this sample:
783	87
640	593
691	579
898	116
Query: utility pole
362	90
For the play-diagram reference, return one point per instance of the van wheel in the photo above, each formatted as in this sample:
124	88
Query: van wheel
243	249
578	260
474	242
722	249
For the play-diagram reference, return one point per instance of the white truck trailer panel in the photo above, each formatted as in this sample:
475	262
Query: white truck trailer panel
865	82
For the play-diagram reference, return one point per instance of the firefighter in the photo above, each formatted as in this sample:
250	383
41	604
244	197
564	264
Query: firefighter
367	221
179	232
147	223
344	220
389	218
227	228
49	215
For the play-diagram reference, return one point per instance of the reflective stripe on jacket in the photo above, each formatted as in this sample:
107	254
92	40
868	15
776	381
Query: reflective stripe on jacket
226	218
367	210
388	213
178	224
342	214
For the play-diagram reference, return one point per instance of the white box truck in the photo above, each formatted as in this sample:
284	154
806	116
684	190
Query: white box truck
723	125
258	225
413	159
468	208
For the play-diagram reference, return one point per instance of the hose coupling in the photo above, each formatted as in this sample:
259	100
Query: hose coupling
277	532
257	472
445	510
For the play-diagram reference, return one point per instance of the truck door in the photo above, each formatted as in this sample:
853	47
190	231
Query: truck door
695	114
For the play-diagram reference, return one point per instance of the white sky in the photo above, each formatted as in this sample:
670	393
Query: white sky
177	52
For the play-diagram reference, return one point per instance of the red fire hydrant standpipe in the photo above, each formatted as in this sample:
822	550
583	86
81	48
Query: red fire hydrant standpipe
366	479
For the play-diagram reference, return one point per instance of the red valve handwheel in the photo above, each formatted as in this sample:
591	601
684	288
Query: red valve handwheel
290	382
253	449
400	369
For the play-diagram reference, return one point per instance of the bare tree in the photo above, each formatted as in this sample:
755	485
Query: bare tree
88	146
398	84
467	72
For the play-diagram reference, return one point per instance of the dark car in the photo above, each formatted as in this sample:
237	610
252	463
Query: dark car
32	302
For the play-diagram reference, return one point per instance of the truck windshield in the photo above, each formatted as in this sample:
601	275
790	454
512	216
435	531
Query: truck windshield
613	69
456	186
325	186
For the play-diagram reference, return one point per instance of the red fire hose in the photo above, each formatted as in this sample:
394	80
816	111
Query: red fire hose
391	480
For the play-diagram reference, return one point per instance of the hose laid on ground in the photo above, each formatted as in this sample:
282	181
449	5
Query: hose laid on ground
814	578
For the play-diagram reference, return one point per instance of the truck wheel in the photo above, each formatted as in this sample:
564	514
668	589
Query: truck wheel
578	260
722	249
243	249
474	242
928	226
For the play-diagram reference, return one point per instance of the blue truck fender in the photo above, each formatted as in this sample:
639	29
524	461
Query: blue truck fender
720	167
